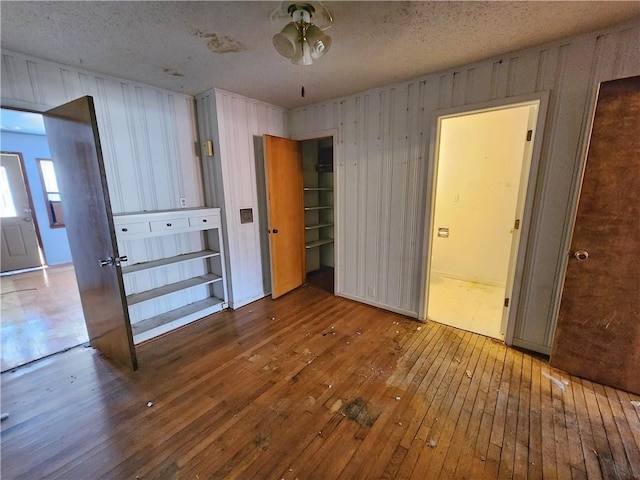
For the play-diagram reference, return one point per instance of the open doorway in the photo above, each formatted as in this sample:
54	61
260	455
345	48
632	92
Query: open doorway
40	308
483	161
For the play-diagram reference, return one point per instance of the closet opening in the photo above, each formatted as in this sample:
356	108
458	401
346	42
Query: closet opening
317	173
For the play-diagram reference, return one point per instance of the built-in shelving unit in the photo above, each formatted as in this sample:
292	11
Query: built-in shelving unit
175	270
317	170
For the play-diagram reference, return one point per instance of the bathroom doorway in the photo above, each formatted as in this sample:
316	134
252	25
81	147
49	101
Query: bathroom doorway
482	167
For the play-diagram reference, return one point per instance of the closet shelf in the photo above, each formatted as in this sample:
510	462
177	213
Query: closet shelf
318	225
172	288
318	243
321	207
163	262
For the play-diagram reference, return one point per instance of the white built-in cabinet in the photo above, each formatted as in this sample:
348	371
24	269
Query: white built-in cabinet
174	273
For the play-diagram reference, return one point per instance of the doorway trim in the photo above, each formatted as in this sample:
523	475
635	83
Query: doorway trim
520	270
337	197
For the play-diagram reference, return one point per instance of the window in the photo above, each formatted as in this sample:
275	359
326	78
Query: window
51	193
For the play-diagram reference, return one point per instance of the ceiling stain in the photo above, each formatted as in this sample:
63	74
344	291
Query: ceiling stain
173	72
221	43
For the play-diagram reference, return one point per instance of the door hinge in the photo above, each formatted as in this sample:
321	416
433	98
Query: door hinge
529	135
516	225
506	302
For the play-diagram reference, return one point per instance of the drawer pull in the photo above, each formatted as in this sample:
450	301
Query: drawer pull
168	224
204	220
125	229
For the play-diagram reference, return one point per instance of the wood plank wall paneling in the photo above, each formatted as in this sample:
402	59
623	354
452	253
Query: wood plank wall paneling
147	138
334	390
231	121
383	173
147	134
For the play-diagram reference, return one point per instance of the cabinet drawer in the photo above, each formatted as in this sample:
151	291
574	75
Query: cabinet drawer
132	228
204	221
168	225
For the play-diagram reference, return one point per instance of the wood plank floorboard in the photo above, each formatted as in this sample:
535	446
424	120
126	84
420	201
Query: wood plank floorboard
313	386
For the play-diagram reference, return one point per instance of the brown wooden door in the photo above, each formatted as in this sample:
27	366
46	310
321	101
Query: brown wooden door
75	147
598	331
285	202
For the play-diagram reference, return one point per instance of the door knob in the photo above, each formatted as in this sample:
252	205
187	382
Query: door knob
275	230
112	261
106	261
581	255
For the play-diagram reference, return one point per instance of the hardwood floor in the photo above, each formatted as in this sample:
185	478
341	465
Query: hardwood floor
41	315
312	386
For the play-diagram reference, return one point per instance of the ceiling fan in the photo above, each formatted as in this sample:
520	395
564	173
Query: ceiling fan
301	40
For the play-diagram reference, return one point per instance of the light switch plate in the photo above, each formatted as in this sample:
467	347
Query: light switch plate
246	215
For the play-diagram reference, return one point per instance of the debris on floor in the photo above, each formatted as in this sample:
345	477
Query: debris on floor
359	412
635	403
432	443
261	441
337	405
558	383
469	374
398	398
149	404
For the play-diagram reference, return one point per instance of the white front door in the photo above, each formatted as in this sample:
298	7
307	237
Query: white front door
20	247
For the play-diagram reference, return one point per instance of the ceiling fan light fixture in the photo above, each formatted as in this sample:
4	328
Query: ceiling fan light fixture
301	14
303	55
318	41
300	40
286	41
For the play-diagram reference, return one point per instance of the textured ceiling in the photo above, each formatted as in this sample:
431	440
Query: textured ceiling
190	47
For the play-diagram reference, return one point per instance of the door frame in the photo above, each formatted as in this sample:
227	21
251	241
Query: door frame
337	197
527	224
43	258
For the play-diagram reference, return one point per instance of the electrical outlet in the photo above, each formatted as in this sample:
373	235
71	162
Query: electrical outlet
183	202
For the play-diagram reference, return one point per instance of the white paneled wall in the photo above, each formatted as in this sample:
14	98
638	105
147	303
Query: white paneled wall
382	153
148	141
232	122
148	135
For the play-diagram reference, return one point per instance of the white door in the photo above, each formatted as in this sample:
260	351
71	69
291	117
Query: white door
20	248
482	171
